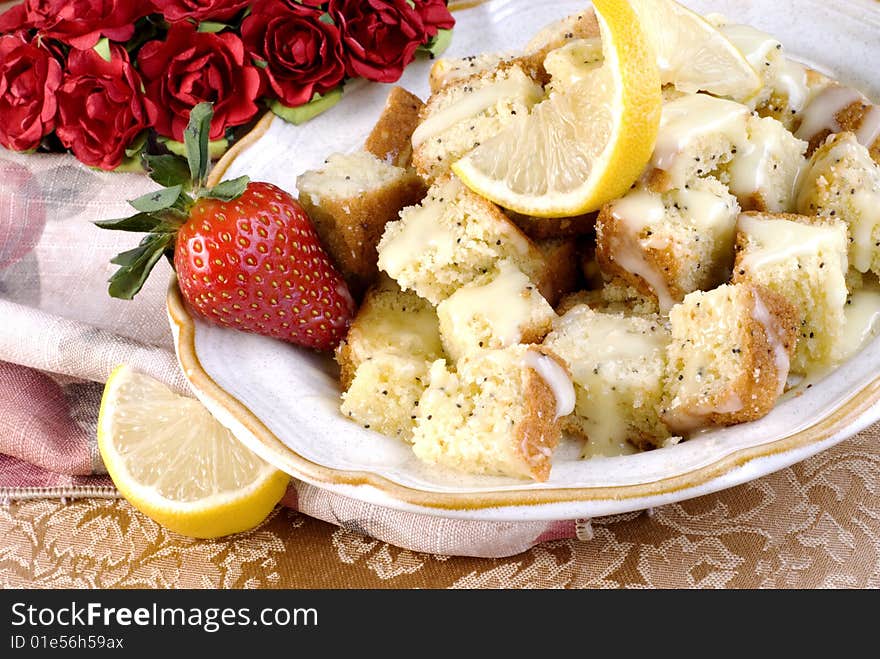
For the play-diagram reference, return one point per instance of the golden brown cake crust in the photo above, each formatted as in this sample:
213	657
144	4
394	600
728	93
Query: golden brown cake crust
542	228
759	385
351	228
562	274
849	119
391	137
539	429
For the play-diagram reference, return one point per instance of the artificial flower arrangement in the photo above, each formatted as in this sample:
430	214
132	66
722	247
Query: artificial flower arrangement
110	79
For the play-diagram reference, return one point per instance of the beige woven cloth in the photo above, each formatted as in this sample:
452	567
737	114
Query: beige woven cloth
814	525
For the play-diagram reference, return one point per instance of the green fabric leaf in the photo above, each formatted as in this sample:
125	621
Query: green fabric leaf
168	170
216	148
137	145
326	18
303	113
437	44
141	223
158	200
211	26
228	190
103	49
195	137
138	263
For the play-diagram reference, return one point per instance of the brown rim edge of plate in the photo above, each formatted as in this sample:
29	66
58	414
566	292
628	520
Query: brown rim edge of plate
298	466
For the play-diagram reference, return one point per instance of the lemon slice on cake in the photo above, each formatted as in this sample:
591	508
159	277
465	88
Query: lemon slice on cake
175	463
583	146
692	54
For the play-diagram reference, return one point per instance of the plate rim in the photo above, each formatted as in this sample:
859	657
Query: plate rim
840	422
845	415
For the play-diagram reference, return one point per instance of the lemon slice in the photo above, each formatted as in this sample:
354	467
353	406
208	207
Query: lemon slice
692	54
585	145
175	463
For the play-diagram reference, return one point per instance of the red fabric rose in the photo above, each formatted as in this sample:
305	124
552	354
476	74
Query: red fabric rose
435	16
29	76
101	108
81	23
303	54
380	36
190	67
14	18
199	10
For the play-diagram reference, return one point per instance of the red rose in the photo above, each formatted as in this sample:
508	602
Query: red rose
303	54
29	76
380	36
101	108
435	16
14	18
190	67
199	10
81	23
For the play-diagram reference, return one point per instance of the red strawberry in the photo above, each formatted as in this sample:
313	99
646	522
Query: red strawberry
246	254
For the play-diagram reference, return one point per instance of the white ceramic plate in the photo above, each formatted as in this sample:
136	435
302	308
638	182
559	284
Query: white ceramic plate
283	402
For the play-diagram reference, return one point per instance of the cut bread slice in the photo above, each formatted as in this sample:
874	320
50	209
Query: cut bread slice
349	201
499	310
838	109
465	114
802	259
391	137
617	364
842	181
729	357
384	393
668	245
497	414
389	321
763	172
451	239
698	133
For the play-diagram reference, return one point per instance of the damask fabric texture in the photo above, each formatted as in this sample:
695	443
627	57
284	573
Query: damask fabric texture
816	524
61	335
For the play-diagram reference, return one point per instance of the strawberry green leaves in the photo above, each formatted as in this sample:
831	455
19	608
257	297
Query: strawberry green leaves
163	212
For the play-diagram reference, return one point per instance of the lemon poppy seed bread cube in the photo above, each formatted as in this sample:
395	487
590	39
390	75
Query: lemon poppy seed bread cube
499	310
384	394
698	133
385	357
452	70
804	260
729	356
453	237
349	201
842	181
578	26
391	137
389	321
763	172
617	364
837	108
762	51
668	245
465	114
498	413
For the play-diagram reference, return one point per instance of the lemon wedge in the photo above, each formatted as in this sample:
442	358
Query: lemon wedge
692	54
584	145
175	463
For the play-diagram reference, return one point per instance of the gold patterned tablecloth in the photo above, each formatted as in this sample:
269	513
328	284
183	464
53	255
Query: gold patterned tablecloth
816	524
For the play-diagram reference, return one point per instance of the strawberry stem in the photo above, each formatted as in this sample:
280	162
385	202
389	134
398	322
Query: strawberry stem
163	212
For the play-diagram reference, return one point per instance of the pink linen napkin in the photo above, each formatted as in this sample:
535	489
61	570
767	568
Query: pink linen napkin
61	335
